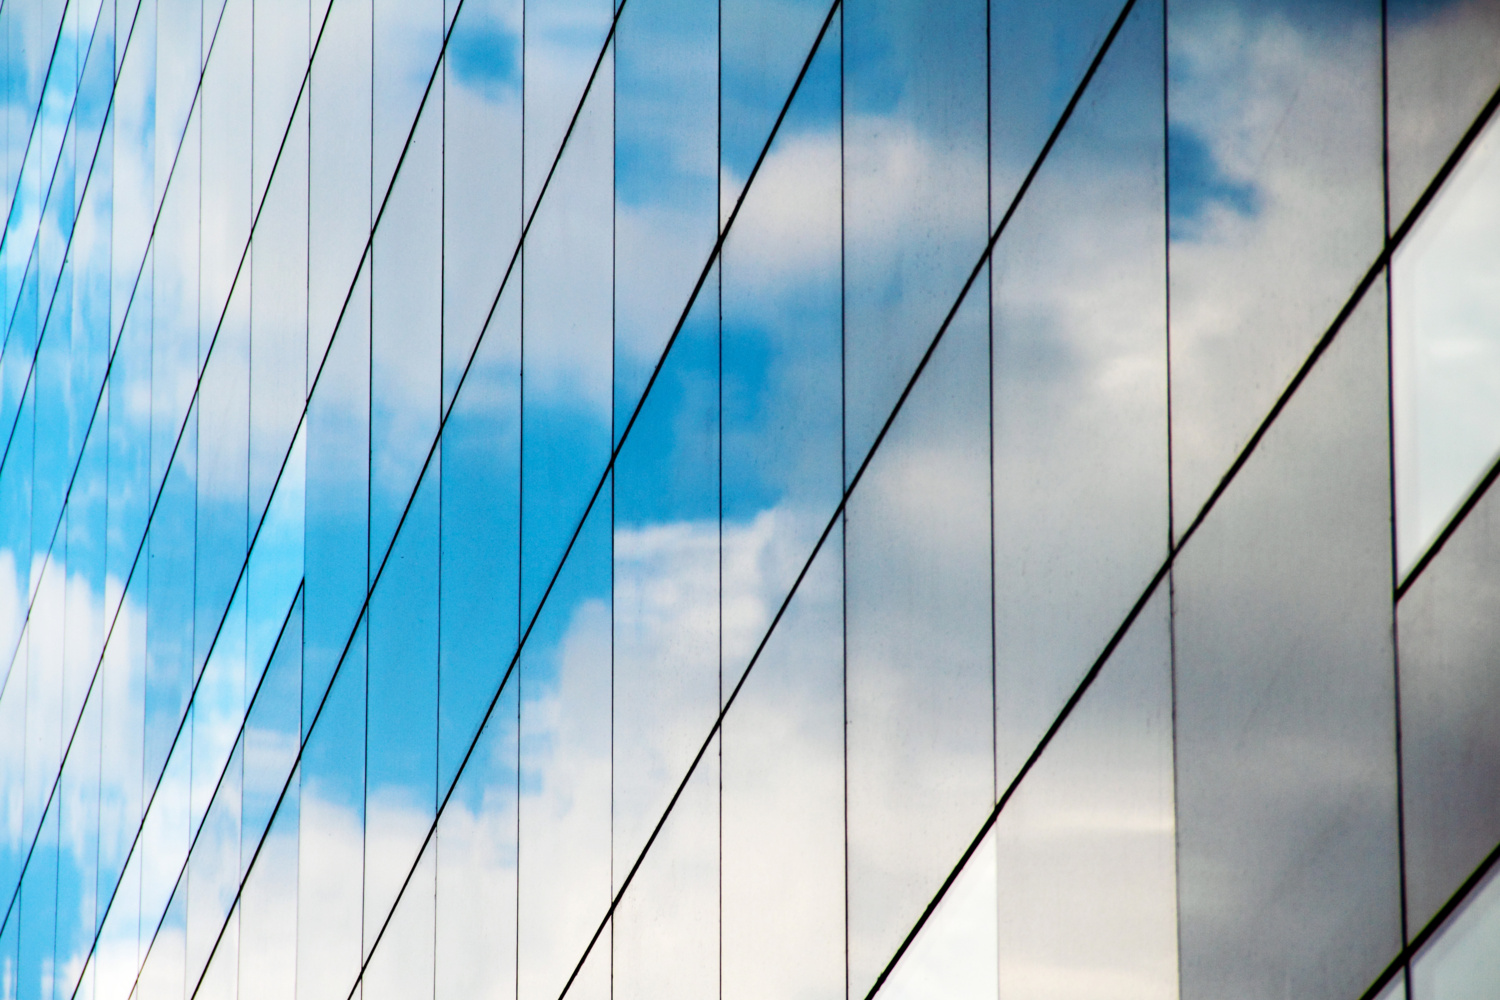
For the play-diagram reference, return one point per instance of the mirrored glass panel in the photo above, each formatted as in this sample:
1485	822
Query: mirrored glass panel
1445	319
1285	711
1079	386
1440	70
1463	960
1274	152
1450	755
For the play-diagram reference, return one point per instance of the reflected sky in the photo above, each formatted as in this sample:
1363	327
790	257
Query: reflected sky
227	533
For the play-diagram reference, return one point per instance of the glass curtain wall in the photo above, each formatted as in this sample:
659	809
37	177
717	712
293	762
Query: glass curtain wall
537	499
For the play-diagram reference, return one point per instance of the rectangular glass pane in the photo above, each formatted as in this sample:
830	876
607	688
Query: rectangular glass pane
564	833
1445	322
1086	848
1079	383
1463	961
1274	152
1450	758
1286	752
1440	69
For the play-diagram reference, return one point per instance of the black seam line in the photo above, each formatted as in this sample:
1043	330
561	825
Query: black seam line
1375	270
588	508
56	286
1398	755
36	119
1449	165
104	380
854	482
1433	926
218	784
52	793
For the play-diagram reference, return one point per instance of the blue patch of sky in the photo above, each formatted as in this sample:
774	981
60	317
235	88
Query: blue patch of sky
760	68
668	470
666	74
1197	183
586	577
484	55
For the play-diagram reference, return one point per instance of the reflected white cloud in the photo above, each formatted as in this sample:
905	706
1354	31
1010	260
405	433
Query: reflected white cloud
1446	323
1289	113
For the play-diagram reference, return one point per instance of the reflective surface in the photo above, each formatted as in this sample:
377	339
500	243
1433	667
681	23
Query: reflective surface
581	498
1450	753
1446	326
1286	764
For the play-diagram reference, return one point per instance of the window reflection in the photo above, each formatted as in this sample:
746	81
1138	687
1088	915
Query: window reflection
565	498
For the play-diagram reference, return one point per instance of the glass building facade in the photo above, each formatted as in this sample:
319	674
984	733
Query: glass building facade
750	499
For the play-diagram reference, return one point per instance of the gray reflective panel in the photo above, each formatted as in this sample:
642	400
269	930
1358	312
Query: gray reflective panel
782	830
79	813
1446	350
783	804
218	980
1274	152
36	915
223	440
1079	383
167	566
210	882
1286	769
271	742
915	190
1087	847
161	976
1450	749
481	176
406	329
480	451
226	212
1463	961
282	47
1440	70
920	699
